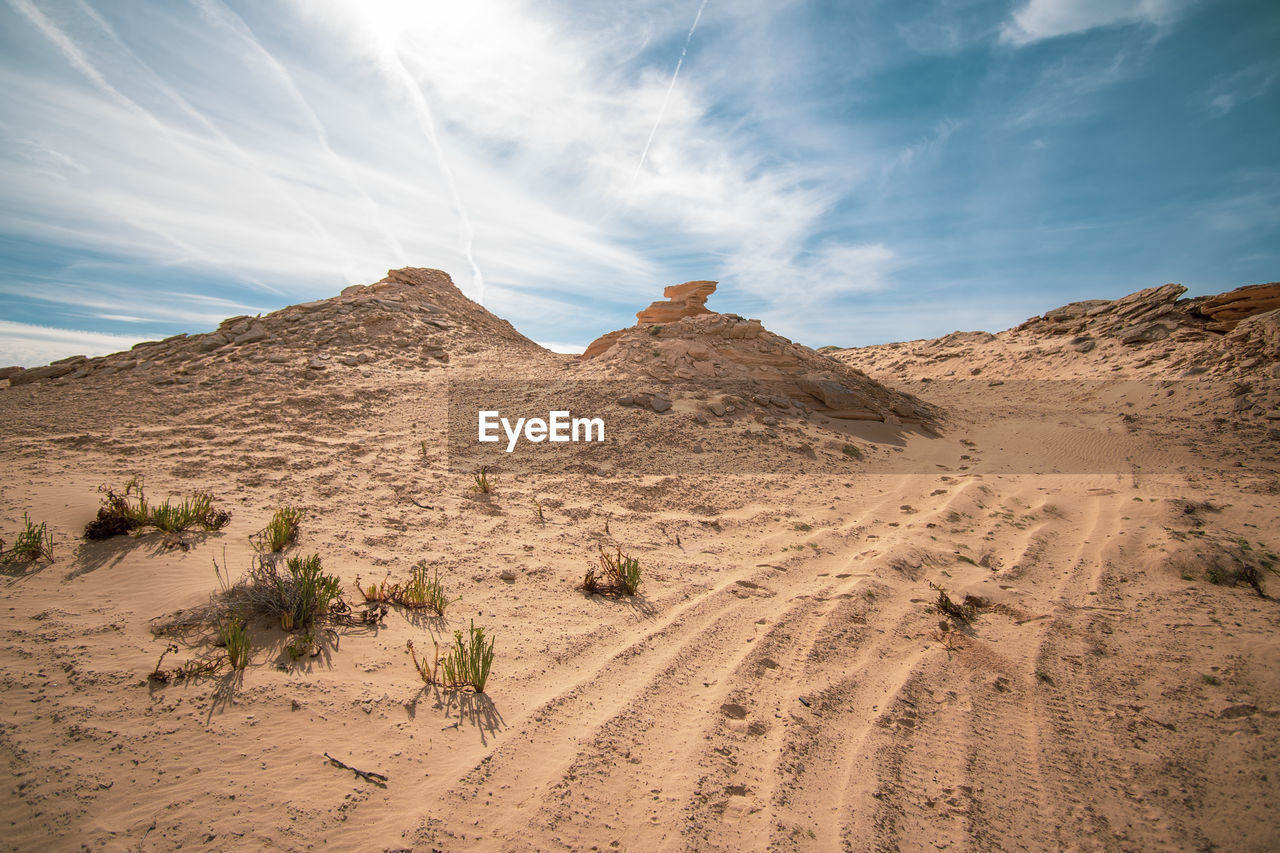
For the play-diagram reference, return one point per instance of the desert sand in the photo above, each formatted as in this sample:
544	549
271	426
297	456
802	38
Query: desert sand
1099	484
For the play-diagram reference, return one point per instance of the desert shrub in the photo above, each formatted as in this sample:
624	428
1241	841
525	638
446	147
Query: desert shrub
298	595
118	514
128	511
420	592
852	451
235	637
484	483
944	605
1229	562
32	543
617	573
425	592
195	511
281	531
466	664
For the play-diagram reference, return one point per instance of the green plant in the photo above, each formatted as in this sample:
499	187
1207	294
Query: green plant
618	573
129	510
943	604
281	531
424	592
196	511
419	592
298	595
235	636
1043	677
313	590
852	451
468	662
802	527
483	482
32	543
1211	679
537	507
962	558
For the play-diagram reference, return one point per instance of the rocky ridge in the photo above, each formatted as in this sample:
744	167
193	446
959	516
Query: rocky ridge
1151	333
414	318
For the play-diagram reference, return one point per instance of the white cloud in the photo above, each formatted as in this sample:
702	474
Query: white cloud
1046	19
1230	91
28	346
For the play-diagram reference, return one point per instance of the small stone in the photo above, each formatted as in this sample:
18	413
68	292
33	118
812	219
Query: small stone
660	403
508	575
717	409
626	400
316	364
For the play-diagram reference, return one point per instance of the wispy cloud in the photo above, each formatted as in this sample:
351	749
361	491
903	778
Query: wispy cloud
1230	91
1046	19
817	162
28	345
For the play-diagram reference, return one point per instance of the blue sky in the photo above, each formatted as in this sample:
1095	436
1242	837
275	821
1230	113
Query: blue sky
851	172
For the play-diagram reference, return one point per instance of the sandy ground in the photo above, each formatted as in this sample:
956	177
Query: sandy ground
781	682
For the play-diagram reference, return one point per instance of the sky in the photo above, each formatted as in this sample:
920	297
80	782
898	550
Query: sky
851	172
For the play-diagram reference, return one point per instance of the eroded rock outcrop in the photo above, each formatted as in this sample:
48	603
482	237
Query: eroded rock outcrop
683	300
1226	310
750	367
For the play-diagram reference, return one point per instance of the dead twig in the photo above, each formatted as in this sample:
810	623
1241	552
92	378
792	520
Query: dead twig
368	775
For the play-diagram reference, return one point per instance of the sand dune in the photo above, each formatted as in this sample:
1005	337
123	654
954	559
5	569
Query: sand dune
783	680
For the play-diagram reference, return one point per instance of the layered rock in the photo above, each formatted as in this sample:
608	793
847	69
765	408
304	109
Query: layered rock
414	317
683	300
708	351
1226	310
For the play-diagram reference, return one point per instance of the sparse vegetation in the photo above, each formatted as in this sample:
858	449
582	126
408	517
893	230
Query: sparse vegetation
802	527
537	508
617	573
34	542
1236	561
195	511
281	531
1211	679
128	511
852	451
1043	677
419	592
943	604
466	664
234	636
190	669
484	483
298	596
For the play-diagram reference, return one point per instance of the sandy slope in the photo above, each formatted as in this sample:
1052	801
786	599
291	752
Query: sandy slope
781	683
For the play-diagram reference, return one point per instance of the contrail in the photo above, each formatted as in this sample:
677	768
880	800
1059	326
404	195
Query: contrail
221	15
423	112
80	61
663	109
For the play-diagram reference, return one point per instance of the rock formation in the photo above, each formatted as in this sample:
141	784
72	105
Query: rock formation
413	318
681	342
683	300
1227	309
